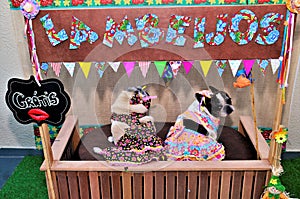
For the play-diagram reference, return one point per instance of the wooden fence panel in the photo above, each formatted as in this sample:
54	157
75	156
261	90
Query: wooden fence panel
94	184
62	185
73	184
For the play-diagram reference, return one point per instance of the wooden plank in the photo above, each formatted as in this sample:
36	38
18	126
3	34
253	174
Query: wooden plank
203	185
263	148
181	184
55	185
225	185
192	185
159	185
94	185
73	184
259	182
214	184
171	185
127	192
64	136
148	185
62	185
247	185
84	188
105	184
116	184
234	165
137	185
236	187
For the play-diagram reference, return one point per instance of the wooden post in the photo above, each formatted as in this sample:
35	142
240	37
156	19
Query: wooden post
48	155
254	118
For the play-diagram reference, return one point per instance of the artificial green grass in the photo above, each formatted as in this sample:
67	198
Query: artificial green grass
291	176
27	181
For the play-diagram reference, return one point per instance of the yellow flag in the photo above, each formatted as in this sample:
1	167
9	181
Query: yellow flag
205	65
85	67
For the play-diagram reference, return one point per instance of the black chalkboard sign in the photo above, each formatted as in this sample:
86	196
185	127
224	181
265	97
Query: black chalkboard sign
31	102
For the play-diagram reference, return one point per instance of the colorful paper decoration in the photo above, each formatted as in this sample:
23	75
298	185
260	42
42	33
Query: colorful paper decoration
70	66
148	31
267	24
216	40
242	38
80	32
160	66
56	66
205	65
54	37
168	75
101	67
221	65
175	65
119	32
144	66
114	65
129	66
263	65
187	66
199	29
44	68
248	64
275	63
85	67
176	28
234	66
30	8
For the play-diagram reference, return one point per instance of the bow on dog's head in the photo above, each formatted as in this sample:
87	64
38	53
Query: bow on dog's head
218	103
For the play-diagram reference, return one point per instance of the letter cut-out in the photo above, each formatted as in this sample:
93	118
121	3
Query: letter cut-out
80	32
54	37
176	29
267	25
149	32
242	38
199	29
218	38
118	32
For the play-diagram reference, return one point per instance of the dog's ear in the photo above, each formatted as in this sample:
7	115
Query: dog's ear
204	100
213	89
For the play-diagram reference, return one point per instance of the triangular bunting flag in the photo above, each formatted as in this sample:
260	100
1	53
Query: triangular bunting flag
56	68
160	66
175	65
85	67
144	66
221	65
101	67
70	66
248	64
44	68
114	65
234	66
263	63
187	66
168	75
275	63
129	66
205	65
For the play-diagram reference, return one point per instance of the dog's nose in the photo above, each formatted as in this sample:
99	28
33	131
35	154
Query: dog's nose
229	109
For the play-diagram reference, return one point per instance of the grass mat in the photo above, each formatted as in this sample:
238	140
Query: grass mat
29	182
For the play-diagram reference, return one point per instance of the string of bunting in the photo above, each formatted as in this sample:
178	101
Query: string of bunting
166	69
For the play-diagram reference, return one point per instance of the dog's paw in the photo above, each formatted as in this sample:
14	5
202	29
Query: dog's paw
97	150
146	119
110	138
138	108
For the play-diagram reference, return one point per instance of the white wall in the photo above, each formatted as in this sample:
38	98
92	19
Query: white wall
14	62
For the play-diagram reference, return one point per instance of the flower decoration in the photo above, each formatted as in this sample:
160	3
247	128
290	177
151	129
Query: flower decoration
280	136
293	6
30	8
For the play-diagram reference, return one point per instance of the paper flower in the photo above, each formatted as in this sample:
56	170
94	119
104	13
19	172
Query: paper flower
30	8
280	136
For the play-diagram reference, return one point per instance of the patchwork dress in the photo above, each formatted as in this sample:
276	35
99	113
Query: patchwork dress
138	145
188	145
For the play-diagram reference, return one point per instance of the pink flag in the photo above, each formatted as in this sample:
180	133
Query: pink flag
56	67
144	66
248	64
187	66
129	66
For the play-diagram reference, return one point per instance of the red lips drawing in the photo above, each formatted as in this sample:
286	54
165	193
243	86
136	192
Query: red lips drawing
38	114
